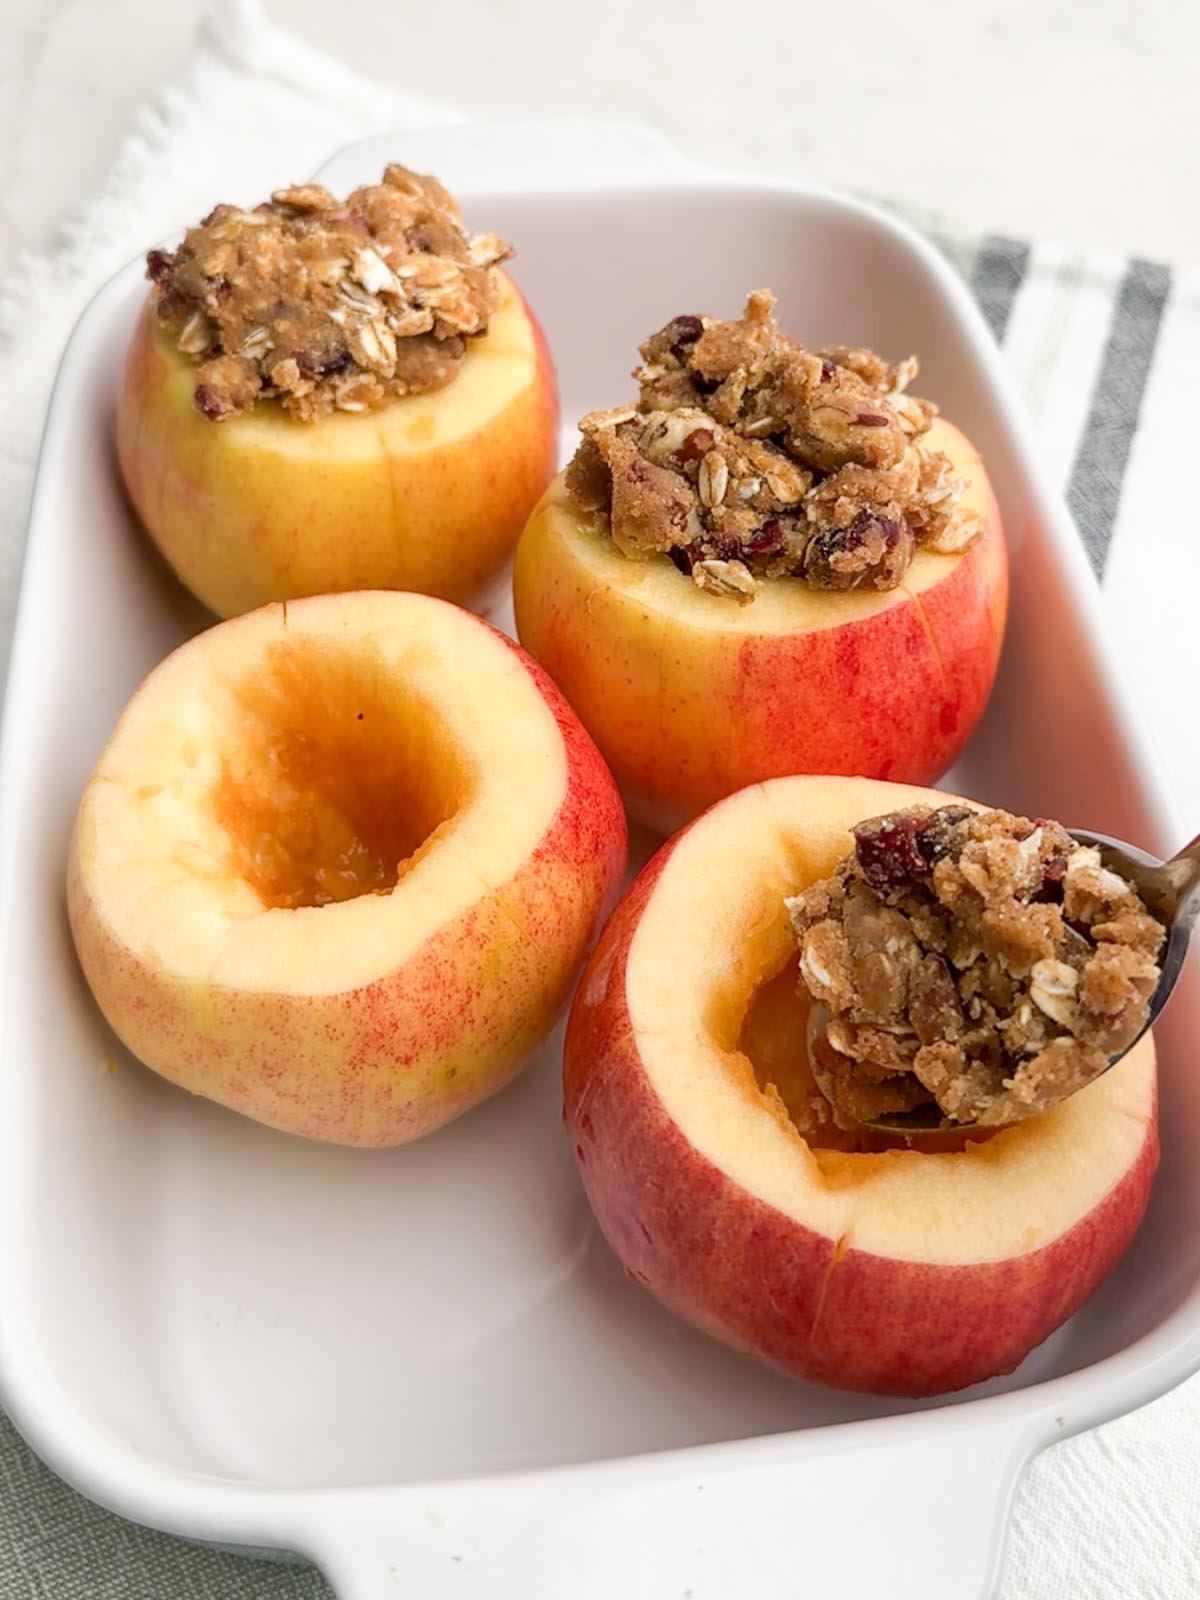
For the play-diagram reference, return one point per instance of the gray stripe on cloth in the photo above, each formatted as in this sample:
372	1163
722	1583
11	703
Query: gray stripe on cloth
1094	491
996	277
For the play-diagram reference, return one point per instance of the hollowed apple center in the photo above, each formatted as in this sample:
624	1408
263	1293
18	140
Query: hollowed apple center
335	779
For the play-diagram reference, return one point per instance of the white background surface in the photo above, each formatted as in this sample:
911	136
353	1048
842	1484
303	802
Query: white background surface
1047	118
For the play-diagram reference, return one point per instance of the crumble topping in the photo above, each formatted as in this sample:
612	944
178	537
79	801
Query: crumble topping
747	457
324	304
976	960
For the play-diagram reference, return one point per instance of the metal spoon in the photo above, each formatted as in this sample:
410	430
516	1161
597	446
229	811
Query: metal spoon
1170	889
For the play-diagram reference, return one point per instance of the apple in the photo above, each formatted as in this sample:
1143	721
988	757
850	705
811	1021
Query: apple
691	696
339	864
893	1270
428	493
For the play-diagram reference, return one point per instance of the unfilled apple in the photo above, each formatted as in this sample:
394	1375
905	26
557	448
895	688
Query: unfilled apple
339	864
429	493
691	696
898	1271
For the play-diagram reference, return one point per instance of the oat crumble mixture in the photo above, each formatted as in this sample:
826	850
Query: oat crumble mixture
327	305
747	457
974	961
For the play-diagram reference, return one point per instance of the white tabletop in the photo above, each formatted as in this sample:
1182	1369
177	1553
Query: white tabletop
1070	119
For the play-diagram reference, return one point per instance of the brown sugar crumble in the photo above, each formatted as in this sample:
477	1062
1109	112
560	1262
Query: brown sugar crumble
747	457
973	961
323	304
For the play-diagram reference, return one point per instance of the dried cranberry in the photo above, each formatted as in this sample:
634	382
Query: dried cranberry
160	268
683	331
938	833
682	559
172	305
868	527
828	368
888	850
1054	869
714	546
871	419
208	403
767	538
892	528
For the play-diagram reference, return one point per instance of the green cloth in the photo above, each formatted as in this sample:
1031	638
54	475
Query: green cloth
54	1545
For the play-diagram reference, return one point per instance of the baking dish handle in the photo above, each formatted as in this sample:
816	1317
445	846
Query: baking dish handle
920	1517
485	157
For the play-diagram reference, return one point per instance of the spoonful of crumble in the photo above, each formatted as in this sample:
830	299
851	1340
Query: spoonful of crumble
969	968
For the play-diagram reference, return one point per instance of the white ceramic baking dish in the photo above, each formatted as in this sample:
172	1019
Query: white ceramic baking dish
422	1368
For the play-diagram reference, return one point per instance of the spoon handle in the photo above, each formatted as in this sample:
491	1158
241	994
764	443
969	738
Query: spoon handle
1183	871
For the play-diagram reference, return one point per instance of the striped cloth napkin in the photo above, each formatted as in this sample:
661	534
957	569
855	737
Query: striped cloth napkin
1103	349
1082	336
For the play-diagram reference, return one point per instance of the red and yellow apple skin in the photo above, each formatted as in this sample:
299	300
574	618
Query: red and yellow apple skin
429	493
376	1020
900	1273
691	696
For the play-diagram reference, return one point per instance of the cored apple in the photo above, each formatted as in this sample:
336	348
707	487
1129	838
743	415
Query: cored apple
428	493
895	1270
691	695
339	864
